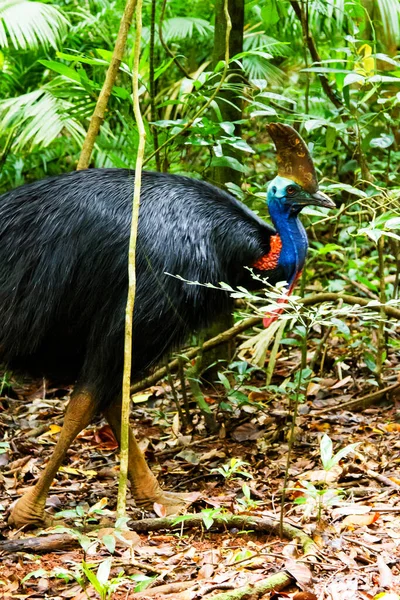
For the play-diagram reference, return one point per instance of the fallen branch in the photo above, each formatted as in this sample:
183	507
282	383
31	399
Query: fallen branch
165	589
359	403
256	590
42	544
232	332
54	542
257	524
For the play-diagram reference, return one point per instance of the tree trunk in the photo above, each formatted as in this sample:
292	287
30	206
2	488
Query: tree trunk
229	101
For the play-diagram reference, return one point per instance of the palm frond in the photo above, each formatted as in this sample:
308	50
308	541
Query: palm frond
257	67
257	40
179	28
390	14
38	118
27	25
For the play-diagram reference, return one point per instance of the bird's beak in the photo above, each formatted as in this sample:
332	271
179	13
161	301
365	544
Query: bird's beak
321	199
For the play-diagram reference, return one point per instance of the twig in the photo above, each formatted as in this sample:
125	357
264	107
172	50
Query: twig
49	543
178	448
111	75
363	288
181	371
165	589
181	414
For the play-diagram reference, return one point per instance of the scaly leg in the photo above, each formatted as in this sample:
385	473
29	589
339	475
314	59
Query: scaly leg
29	510
145	487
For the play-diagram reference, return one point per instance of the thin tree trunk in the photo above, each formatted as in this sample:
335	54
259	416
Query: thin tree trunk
102	101
230	105
126	380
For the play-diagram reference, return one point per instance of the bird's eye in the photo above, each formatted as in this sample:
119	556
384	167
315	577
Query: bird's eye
290	190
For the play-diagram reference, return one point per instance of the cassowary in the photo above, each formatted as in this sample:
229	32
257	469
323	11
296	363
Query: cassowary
63	282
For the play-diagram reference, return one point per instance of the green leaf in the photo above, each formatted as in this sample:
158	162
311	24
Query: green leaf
103	572
92	578
326	450
269	13
385	140
353	78
393	223
225	381
35	574
343	452
61	69
143	581
228	161
330	138
341	326
109	542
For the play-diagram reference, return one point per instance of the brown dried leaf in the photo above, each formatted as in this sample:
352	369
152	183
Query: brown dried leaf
246	432
385	574
300	571
353	521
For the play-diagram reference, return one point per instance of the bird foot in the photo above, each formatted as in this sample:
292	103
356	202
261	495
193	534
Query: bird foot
29	514
173	502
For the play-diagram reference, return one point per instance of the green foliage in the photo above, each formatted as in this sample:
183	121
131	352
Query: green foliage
208	516
328	459
53	61
233	469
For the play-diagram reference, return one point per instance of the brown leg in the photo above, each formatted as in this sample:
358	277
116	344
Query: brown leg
145	487
29	510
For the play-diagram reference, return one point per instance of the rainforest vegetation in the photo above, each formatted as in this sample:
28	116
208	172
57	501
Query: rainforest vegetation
320	385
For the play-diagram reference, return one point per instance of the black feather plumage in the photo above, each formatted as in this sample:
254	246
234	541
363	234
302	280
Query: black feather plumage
63	270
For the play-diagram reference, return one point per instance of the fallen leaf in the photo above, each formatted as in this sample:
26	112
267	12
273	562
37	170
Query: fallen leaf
205	572
360	520
392	427
159	509
322	476
246	432
190	456
141	397
53	430
385	574
342	382
299	571
313	389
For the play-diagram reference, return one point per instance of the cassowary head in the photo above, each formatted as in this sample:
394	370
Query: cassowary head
296	184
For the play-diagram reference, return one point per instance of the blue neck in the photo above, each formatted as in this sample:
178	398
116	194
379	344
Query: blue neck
292	234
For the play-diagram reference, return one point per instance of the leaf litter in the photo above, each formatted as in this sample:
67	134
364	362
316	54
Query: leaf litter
349	505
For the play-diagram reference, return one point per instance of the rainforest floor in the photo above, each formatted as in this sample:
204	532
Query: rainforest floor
351	510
